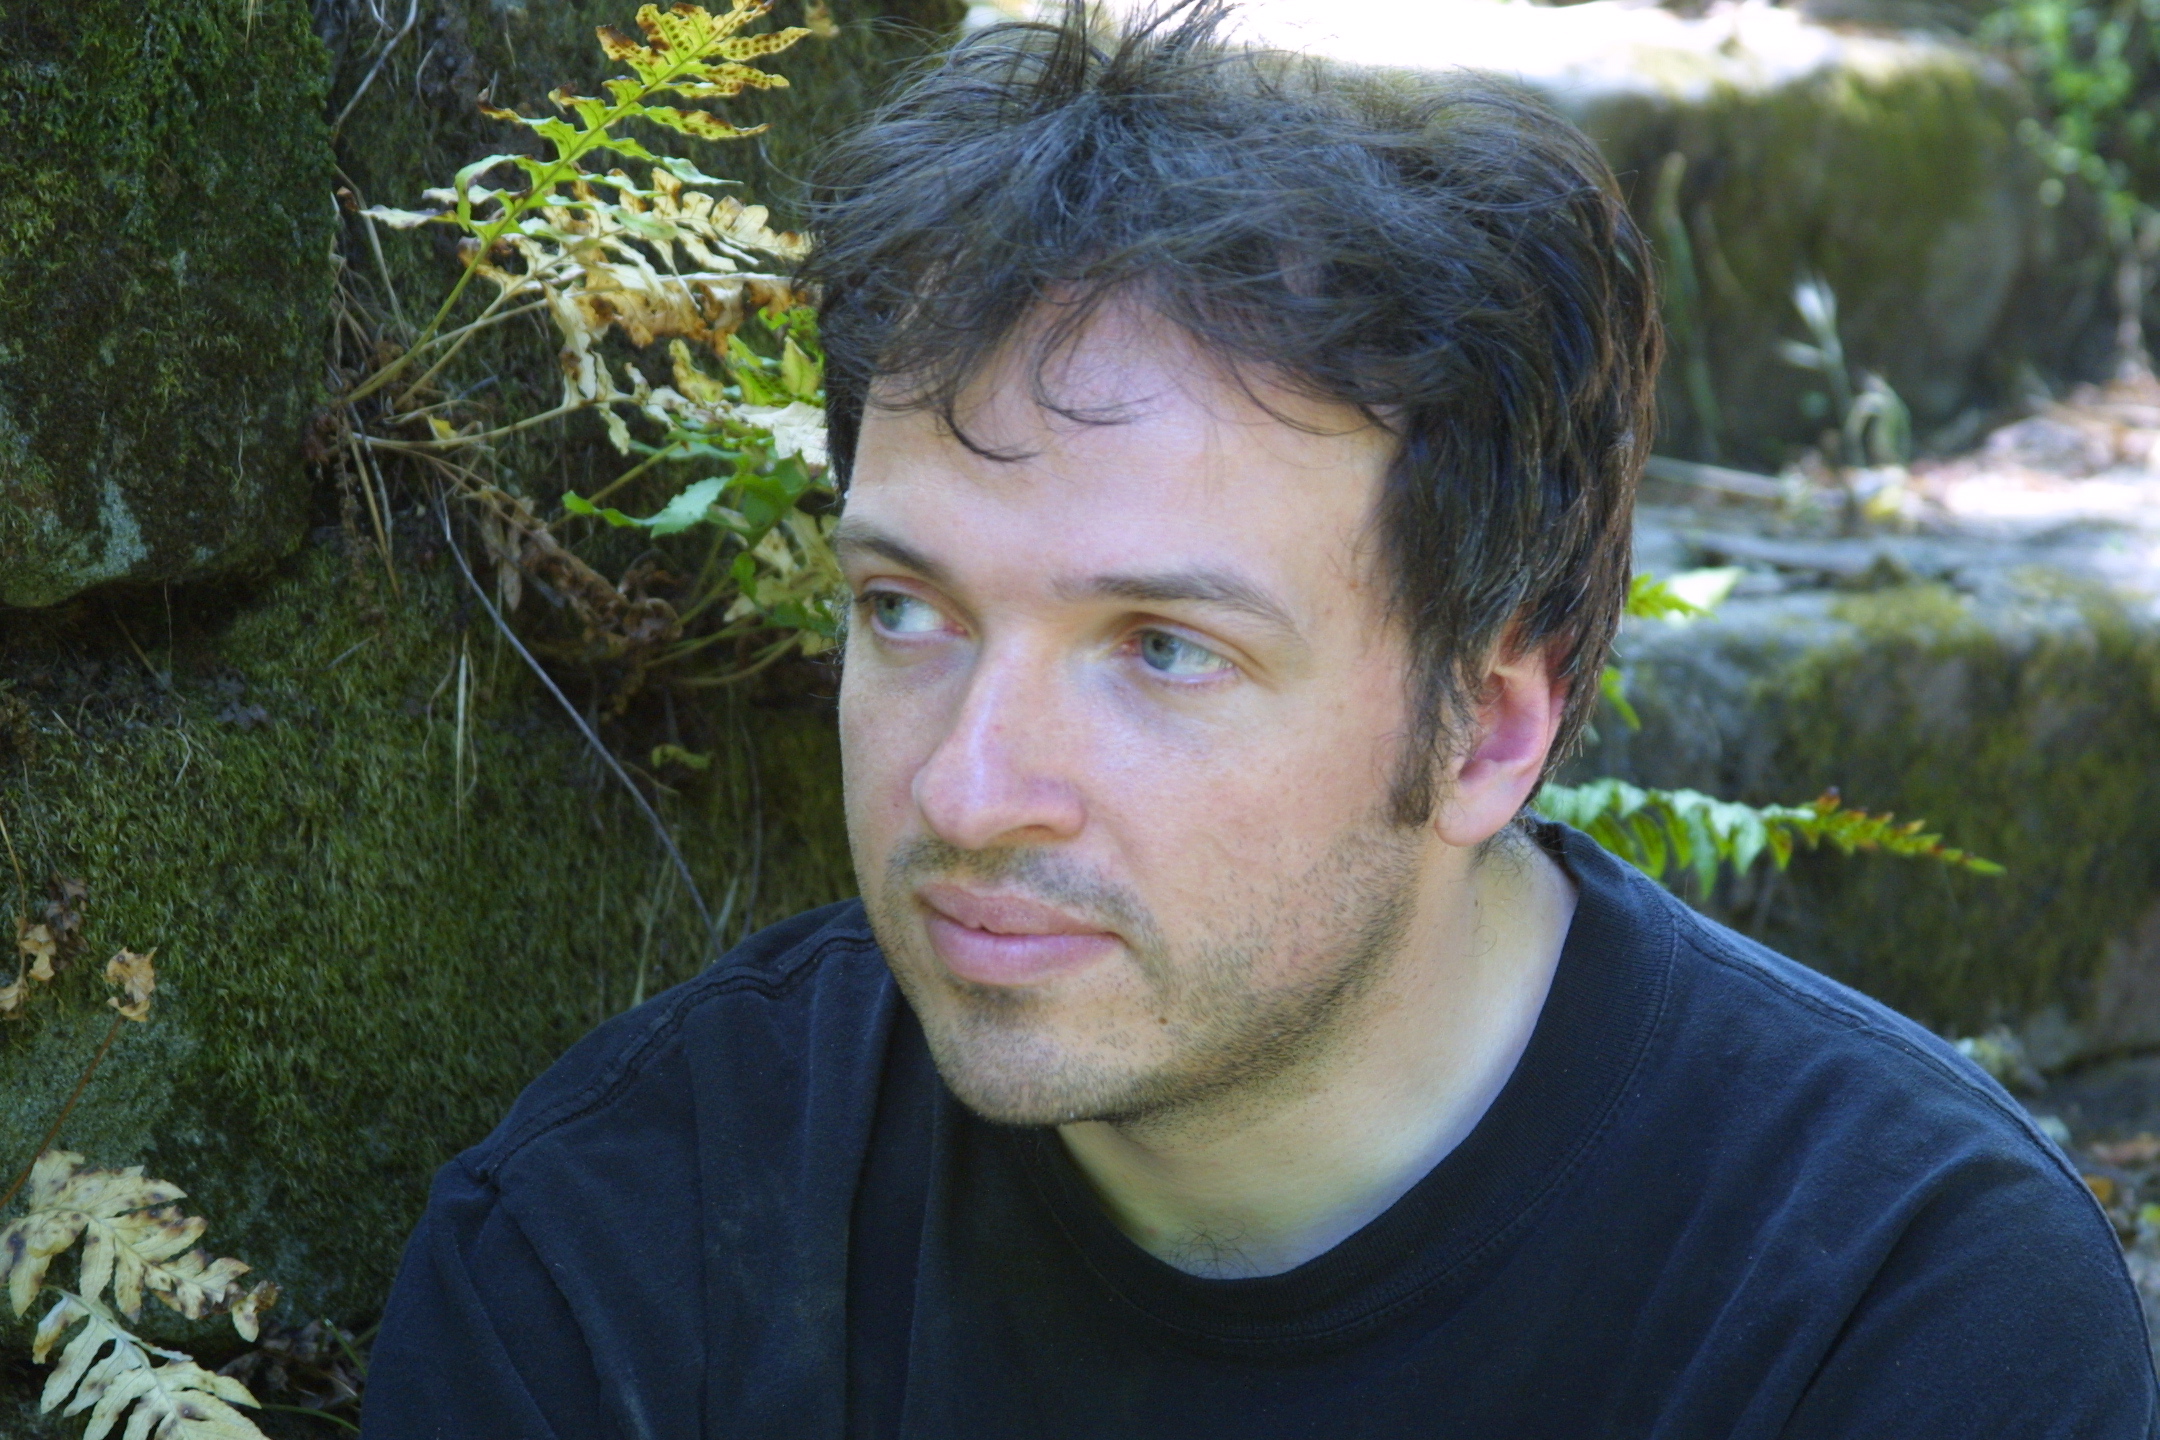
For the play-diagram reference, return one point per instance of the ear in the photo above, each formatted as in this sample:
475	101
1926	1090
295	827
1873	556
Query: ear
1518	714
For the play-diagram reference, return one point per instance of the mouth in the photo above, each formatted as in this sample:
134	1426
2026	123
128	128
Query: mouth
1007	940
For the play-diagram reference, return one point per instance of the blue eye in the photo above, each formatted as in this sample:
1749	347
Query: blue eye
1169	654
899	614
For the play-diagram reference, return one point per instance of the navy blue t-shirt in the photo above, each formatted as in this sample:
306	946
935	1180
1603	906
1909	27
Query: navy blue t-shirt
1721	1195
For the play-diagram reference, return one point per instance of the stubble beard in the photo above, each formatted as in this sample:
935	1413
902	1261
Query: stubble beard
1232	1040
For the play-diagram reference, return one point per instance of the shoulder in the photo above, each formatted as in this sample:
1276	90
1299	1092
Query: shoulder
677	1174
767	995
1778	1069
1879	1204
1774	1010
1734	1011
1858	1112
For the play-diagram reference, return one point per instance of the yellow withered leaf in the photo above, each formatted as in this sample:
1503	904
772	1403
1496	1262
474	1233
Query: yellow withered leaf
64	1200
136	979
135	1240
110	1373
694	383
37	947
248	1310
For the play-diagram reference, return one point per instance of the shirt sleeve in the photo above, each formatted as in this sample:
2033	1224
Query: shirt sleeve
477	1342
2003	1310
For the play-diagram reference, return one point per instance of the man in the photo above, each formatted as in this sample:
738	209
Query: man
1239	459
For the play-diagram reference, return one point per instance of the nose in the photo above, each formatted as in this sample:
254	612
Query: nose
1002	774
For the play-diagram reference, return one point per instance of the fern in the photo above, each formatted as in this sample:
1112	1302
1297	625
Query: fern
135	1242
690	54
1688	832
659	263
110	1370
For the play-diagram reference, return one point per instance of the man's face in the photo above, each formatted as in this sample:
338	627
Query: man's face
1119	721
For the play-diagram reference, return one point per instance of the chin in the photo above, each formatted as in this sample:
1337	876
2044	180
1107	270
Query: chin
1001	1057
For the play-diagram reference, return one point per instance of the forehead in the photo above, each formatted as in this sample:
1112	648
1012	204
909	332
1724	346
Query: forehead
1127	447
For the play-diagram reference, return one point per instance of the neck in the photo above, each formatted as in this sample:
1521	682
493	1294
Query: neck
1258	1184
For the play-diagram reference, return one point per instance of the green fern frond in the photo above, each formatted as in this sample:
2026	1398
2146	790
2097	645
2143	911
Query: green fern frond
690	54
1650	598
1689	832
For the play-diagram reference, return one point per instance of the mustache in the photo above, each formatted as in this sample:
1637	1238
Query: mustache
1038	873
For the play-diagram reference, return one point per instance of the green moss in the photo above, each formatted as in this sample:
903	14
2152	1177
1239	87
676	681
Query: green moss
2031	746
165	280
1899	181
2021	731
360	964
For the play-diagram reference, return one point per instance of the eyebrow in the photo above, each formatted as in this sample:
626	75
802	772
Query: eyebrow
1200	586
854	534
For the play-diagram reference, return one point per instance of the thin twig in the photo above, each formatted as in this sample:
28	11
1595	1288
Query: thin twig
389	517
306	1410
382	536
457	339
412	16
382	268
347	1342
652	816
684	649
346	654
486	318
83	1083
778	649
461	442
164	681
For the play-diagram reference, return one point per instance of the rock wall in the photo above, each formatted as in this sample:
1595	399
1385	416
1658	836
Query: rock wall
165	286
2004	688
368	937
1759	146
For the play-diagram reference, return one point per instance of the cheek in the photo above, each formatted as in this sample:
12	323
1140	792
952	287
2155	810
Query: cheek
875	766
1268	790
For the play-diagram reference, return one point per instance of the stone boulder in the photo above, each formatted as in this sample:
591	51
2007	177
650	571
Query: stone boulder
387	883
165	289
1758	147
1999	678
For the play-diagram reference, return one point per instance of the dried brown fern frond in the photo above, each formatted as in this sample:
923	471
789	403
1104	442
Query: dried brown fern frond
134	1239
110	1371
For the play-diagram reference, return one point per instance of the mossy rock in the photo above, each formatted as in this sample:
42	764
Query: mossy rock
1758	147
1896	173
165	288
2018	722
368	938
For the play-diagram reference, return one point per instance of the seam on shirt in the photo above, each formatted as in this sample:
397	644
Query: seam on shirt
774	978
1719	951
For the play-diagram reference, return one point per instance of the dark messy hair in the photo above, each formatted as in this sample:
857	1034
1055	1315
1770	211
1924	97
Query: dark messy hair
1443	253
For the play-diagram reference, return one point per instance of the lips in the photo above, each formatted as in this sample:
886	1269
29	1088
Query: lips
1007	939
